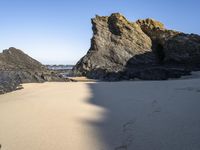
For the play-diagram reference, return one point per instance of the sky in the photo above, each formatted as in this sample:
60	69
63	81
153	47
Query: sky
59	31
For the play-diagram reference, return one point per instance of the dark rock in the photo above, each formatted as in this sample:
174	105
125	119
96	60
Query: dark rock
13	58
16	67
156	73
158	34
114	42
145	49
183	49
156	30
8	81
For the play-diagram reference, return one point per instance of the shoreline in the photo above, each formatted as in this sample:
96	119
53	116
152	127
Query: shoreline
194	75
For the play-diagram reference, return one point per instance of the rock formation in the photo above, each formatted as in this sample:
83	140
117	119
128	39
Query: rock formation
115	41
172	46
183	49
16	67
144	49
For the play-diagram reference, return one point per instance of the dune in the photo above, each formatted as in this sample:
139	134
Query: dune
137	115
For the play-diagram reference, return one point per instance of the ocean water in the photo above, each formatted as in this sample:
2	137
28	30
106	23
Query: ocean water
60	67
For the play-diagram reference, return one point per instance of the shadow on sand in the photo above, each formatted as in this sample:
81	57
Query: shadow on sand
150	115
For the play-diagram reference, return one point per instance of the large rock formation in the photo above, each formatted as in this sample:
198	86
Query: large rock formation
16	67
115	41
172	46
143	49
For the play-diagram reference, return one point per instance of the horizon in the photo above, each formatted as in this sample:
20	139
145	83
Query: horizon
59	32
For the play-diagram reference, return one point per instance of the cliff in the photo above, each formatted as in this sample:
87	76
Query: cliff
144	49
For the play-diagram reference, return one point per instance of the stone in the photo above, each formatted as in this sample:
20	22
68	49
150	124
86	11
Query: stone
114	42
16	67
183	49
145	49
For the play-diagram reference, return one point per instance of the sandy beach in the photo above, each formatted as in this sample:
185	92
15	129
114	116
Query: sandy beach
140	115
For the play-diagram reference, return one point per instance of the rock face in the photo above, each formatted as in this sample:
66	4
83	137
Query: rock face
115	41
143	49
16	67
183	49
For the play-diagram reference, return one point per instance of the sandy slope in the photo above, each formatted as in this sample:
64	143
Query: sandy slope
153	115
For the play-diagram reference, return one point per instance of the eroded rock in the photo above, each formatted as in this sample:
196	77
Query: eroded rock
114	42
144	49
16	67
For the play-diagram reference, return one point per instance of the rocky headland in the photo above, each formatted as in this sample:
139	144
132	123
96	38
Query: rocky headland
17	67
145	49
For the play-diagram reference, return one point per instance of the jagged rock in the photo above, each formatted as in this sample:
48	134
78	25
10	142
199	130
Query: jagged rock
115	41
172	46
9	81
16	67
13	58
145	49
155	73
158	34
183	49
156	30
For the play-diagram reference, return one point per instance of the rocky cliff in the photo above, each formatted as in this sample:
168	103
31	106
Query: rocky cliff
144	49
16	67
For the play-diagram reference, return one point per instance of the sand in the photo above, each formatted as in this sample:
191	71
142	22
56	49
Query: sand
140	115
82	79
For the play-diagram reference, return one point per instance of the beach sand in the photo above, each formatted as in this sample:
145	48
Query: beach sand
140	115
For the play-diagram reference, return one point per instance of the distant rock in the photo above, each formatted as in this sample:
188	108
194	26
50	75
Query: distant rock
144	49
16	67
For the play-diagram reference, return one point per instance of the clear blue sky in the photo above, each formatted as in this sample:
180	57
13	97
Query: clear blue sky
59	31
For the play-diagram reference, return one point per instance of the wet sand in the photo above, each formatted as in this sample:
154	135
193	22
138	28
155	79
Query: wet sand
137	115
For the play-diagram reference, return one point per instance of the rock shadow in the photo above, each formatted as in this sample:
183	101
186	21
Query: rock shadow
146	66
144	115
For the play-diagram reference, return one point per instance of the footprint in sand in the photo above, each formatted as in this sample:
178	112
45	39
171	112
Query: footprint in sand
156	107
127	135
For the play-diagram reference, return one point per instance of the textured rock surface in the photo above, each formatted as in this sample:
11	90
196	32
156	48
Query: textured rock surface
156	30
183	49
16	67
145	49
13	58
115	41
158	34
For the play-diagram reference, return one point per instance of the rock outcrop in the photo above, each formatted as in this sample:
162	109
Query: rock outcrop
16	67
144	49
115	41
183	49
